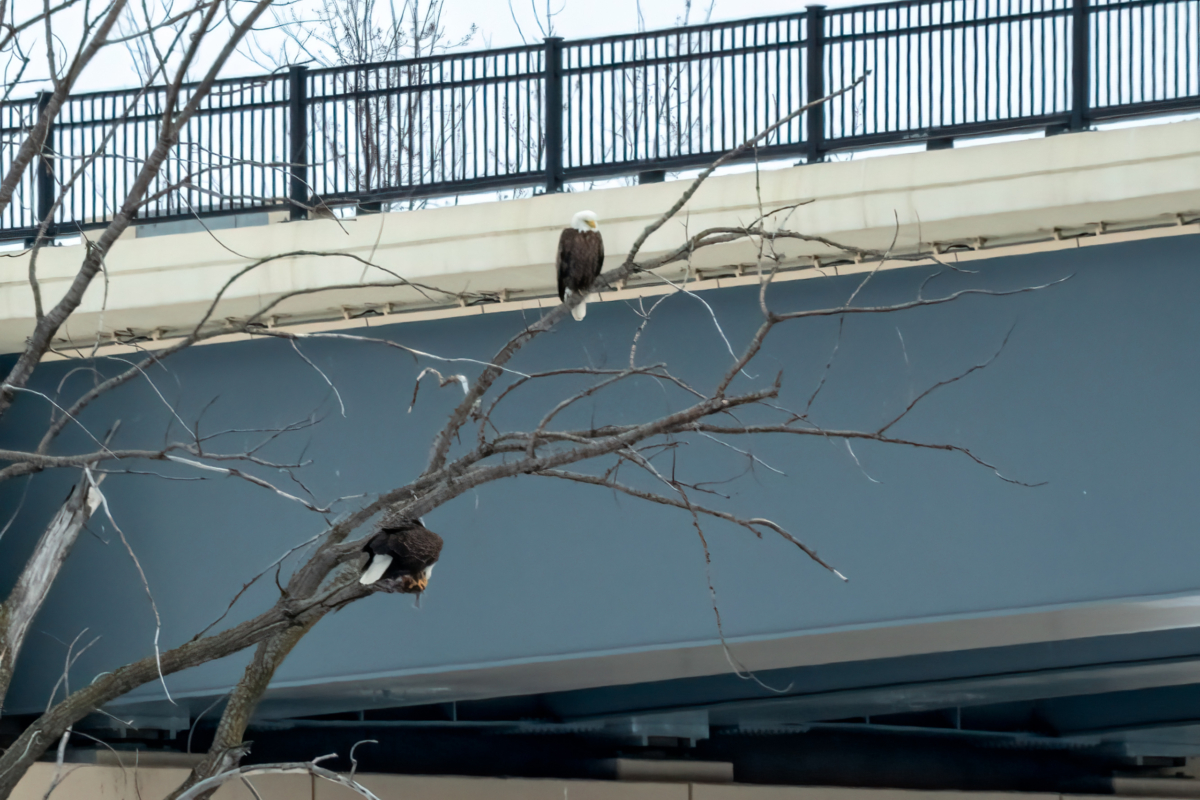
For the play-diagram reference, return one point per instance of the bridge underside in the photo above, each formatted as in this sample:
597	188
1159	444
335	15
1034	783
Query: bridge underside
1062	716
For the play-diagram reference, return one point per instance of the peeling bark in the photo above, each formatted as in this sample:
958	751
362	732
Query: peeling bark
26	598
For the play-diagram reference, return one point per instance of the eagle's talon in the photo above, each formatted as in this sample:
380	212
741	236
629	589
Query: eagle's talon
411	585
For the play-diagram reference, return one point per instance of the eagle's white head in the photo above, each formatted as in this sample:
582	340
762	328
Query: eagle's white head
585	221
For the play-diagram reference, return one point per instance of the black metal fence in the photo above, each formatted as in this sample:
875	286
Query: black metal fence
641	103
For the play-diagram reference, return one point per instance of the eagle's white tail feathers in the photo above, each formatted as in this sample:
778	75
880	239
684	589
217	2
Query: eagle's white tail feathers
379	565
580	311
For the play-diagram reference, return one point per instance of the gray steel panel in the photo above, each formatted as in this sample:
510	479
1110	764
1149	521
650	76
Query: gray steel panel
541	583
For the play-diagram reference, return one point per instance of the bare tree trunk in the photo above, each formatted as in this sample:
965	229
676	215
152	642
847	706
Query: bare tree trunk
224	753
47	729
31	589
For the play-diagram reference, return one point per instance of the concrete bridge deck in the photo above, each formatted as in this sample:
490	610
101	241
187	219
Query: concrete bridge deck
1059	191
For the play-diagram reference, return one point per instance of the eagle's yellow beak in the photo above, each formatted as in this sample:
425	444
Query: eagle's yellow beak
592	224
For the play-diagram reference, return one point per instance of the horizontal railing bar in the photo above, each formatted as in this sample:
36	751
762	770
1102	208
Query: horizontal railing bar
899	138
887	5
139	118
251	82
366	94
733	52
921	30
1147	108
440	189
427	60
622	169
1093	6
72	228
666	32
203	112
1113	9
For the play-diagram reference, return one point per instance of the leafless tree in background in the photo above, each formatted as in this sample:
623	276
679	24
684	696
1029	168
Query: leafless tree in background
641	110
335	34
396	132
390	138
470	450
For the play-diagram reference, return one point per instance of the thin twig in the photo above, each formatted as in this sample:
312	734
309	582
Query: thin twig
142	573
324	377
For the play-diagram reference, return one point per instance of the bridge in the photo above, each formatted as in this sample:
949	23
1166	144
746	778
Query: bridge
991	636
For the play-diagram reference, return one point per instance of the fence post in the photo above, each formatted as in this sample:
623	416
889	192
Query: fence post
298	191
1081	51
554	108
45	168
815	21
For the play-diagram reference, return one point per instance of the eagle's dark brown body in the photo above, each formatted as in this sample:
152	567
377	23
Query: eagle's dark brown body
580	258
402	554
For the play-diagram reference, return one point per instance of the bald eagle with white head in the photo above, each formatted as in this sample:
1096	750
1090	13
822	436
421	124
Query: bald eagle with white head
580	259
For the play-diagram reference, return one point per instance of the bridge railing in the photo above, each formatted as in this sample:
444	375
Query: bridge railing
423	127
579	110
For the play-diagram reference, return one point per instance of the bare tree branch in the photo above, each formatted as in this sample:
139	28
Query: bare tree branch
751	524
206	787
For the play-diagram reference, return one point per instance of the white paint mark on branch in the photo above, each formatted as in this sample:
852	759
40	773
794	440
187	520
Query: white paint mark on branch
237	473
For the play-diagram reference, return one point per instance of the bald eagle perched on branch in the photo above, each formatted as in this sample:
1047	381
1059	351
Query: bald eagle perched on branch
580	258
402	554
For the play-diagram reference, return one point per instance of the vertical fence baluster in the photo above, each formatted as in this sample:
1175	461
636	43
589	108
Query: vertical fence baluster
298	141
816	82
1080	60
554	107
